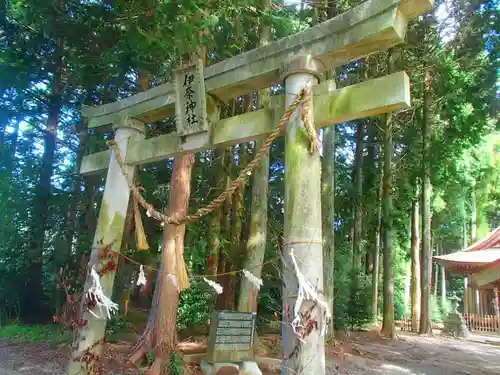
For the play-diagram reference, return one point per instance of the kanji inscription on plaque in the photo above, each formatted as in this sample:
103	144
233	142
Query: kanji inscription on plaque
190	108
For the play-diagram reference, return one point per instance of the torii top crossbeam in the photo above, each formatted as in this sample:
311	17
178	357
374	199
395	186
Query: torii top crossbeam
373	26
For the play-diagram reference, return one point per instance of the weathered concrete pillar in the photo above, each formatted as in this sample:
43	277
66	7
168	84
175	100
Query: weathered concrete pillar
110	226
302	226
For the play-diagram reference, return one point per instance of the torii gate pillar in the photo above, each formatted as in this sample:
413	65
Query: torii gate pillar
302	224
109	231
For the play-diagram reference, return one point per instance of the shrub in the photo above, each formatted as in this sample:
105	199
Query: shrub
359	304
194	305
436	314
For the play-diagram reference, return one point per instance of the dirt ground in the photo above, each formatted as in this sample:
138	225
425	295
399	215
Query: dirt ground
42	359
416	355
361	354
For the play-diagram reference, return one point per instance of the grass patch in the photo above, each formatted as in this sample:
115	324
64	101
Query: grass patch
33	334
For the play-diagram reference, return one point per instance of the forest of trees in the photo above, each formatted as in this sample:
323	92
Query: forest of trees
397	189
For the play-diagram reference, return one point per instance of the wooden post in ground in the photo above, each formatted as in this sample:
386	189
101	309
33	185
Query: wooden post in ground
110	226
473	306
443	285
496	309
302	226
466	296
477	301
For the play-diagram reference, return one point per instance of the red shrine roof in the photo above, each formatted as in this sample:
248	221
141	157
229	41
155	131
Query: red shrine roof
474	258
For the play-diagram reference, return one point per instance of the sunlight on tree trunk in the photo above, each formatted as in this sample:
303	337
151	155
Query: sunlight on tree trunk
464	234
236	217
388	328
224	301
257	231
160	334
328	193
415	264
328	214
425	311
373	170
215	218
256	244
376	238
358	195
473	221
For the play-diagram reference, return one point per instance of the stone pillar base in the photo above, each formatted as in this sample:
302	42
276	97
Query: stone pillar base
454	326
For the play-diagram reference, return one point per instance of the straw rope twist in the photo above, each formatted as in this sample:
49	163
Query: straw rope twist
303	97
314	144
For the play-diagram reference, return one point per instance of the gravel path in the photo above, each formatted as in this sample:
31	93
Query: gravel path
415	355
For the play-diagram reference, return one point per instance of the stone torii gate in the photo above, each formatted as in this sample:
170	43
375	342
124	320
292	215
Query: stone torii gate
297	60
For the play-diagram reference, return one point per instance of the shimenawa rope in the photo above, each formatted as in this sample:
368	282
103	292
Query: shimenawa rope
304	97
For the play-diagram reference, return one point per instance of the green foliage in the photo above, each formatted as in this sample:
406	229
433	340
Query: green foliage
445	308
342	287
400	277
270	303
175	365
439	310
456	284
150	356
359	303
118	325
194	305
33	334
436	315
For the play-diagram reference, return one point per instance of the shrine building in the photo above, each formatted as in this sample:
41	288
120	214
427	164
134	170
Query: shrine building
480	264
